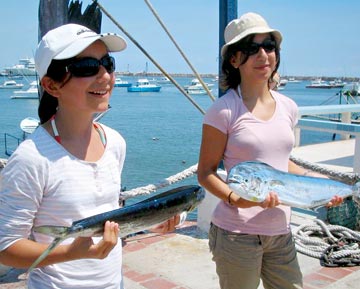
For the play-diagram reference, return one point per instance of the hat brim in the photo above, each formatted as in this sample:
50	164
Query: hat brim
113	42
255	30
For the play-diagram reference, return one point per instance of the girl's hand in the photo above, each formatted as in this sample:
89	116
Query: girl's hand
167	226
271	201
84	247
335	201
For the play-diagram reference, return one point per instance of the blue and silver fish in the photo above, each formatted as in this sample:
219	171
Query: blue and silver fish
254	180
131	219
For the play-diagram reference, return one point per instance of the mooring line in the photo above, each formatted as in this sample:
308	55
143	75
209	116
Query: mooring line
180	50
151	59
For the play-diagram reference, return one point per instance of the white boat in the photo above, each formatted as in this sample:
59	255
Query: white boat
143	85
293	80
283	82
31	93
196	87
121	83
11	84
352	89
163	80
318	83
337	83
26	67
29	124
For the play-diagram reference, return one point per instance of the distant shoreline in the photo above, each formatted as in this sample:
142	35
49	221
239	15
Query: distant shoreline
213	75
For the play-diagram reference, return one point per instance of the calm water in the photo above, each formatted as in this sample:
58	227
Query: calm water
162	130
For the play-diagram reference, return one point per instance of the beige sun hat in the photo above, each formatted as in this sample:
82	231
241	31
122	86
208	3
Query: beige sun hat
249	23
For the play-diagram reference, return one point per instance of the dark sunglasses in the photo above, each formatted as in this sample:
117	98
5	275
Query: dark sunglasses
253	48
88	66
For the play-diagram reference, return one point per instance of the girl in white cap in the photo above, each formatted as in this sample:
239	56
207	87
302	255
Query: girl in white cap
250	122
70	167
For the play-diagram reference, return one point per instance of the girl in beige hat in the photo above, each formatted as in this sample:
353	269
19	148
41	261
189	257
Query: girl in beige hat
250	122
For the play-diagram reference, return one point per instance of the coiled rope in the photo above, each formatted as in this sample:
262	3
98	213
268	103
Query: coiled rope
334	245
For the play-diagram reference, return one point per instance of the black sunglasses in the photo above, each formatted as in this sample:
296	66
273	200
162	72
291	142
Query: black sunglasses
253	48
88	66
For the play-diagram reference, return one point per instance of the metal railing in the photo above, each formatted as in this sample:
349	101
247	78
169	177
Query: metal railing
344	127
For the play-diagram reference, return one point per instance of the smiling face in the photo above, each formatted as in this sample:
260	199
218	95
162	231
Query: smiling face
88	94
259	66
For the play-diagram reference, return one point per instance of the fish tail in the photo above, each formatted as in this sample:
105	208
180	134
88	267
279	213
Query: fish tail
356	193
45	253
57	232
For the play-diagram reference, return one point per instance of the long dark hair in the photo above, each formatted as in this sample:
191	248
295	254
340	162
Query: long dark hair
48	103
230	76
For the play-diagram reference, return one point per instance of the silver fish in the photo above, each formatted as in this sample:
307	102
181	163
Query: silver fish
131	219
254	180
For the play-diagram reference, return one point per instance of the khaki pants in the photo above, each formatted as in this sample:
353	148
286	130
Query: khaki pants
242	259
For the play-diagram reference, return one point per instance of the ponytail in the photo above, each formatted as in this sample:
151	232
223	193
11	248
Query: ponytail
48	103
47	107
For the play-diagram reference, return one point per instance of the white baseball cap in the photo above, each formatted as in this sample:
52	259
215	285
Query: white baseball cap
249	23
69	40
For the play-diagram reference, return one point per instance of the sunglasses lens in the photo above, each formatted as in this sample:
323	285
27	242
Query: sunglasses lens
109	63
253	48
269	46
87	67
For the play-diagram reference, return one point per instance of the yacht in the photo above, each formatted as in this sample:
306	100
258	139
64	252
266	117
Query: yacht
143	85
25	67
11	84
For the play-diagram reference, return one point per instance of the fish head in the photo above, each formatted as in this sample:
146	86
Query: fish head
248	187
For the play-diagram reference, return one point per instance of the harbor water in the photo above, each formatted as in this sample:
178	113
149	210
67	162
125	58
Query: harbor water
162	129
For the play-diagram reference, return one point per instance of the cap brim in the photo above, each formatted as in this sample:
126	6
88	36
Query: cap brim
113	42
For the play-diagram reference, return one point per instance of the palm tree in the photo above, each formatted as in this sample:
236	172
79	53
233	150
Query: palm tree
53	13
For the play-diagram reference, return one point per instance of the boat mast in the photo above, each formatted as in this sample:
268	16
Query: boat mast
227	12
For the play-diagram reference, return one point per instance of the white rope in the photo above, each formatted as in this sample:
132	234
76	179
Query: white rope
314	246
160	184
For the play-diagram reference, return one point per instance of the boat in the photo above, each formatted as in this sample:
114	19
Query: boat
337	83
121	83
196	87
293	80
163	80
11	84
318	83
31	93
353	89
143	85
283	82
26	67
29	124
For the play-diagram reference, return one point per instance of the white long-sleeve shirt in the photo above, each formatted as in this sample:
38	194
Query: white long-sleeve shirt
43	184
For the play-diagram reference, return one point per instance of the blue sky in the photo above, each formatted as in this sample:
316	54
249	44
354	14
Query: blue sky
321	37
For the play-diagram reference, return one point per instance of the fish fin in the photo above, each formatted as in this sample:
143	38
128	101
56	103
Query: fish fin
182	220
276	183
45	253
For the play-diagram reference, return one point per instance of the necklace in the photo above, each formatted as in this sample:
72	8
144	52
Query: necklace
98	128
